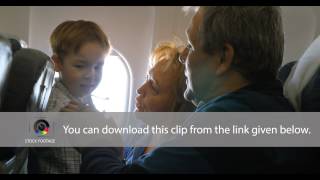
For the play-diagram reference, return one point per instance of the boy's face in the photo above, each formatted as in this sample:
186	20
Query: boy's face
81	72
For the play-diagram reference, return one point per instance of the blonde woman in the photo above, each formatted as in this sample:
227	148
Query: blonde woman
163	89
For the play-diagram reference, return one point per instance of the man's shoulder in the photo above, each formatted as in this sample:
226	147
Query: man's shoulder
246	101
224	105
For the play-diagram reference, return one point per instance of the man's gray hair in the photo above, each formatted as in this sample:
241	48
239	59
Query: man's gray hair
255	33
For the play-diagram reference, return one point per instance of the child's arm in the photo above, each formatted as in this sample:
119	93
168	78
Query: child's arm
75	106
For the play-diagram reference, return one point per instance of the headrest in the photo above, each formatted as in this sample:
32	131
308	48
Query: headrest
304	74
310	97
5	62
285	71
15	45
30	81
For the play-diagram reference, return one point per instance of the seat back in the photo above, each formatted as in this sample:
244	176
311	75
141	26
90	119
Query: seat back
301	80
5	63
15	45
310	95
30	80
285	71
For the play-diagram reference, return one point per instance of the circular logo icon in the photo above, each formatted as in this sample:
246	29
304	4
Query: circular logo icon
41	127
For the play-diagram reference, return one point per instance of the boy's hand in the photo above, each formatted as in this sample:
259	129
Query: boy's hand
74	106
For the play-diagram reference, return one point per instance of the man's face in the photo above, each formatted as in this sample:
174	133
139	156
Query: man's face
199	66
158	93
81	72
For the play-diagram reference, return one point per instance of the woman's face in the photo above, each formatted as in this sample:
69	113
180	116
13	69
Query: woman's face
158	93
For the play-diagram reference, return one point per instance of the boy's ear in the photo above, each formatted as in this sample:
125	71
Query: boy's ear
227	57
57	62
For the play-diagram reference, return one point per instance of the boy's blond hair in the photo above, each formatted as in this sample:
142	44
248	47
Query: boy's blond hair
70	35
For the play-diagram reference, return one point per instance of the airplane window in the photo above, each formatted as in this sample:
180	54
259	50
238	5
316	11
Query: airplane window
113	92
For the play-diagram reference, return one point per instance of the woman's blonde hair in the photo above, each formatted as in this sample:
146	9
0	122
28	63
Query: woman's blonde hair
169	52
163	51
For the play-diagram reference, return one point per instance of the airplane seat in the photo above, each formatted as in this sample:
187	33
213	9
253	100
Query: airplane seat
310	96
5	63
30	81
15	45
285	71
301	80
301	85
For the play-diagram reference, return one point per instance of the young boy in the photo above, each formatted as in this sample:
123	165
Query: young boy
79	49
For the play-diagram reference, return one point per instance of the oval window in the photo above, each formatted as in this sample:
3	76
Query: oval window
113	94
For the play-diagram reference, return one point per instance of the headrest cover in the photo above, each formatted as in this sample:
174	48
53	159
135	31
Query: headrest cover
302	73
5	62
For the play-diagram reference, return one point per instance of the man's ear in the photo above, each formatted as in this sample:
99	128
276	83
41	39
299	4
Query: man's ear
227	56
57	62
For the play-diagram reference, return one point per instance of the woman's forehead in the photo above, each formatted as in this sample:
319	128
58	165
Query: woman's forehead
164	72
159	68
